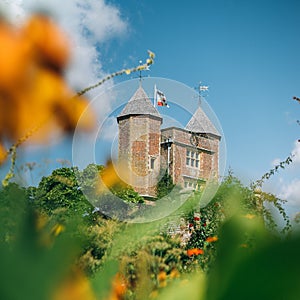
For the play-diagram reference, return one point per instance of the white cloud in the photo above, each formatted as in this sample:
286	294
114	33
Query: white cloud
87	22
291	192
275	162
295	157
109	130
296	153
287	186
12	9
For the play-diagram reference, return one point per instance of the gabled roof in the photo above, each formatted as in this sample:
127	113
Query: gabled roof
200	123
139	104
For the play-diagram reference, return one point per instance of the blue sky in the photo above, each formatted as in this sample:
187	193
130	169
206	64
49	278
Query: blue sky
247	52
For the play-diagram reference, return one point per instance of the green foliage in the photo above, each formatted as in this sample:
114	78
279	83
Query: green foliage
88	179
152	256
265	269
128	194
89	182
61	197
60	194
233	231
12	201
231	198
32	264
164	186
98	237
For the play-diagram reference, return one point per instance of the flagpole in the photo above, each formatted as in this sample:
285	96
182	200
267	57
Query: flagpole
154	96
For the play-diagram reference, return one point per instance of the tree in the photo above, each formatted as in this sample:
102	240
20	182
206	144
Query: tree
60	194
164	186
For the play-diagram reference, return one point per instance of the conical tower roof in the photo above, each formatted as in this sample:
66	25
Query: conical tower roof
200	123
139	104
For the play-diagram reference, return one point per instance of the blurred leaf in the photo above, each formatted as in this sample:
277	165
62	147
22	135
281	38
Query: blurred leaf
191	288
31	268
252	263
102	281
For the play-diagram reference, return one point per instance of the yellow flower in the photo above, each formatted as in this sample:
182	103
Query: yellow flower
111	176
41	221
174	273
153	294
34	96
15	58
162	275
249	216
57	229
162	279
76	287
3	154
128	71
50	43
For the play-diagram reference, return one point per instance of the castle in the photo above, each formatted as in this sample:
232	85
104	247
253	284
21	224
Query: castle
189	155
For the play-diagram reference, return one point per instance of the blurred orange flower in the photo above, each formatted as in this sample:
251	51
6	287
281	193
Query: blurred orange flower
34	96
212	239
112	176
194	251
162	278
51	46
3	154
119	287
249	216
76	287
174	273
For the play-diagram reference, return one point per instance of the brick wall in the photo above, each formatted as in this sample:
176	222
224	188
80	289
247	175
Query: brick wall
208	148
139	141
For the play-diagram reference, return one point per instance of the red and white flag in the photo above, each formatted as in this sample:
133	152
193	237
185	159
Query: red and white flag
160	98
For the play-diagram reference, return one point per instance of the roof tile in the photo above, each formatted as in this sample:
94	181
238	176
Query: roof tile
139	104
200	123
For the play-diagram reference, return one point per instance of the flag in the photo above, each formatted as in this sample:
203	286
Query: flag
161	99
203	88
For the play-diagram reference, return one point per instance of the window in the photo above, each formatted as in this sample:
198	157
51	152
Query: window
192	185
193	159
152	161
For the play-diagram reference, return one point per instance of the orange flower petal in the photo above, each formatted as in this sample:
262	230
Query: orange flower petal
212	239
15	58
76	287
52	45
199	251
3	154
119	285
194	251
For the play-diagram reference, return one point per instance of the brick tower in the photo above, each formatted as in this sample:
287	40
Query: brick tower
139	142
192	153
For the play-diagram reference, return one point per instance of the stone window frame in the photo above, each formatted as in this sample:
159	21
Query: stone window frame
152	160
192	159
192	185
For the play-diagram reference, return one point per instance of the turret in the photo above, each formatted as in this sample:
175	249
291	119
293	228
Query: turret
139	142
